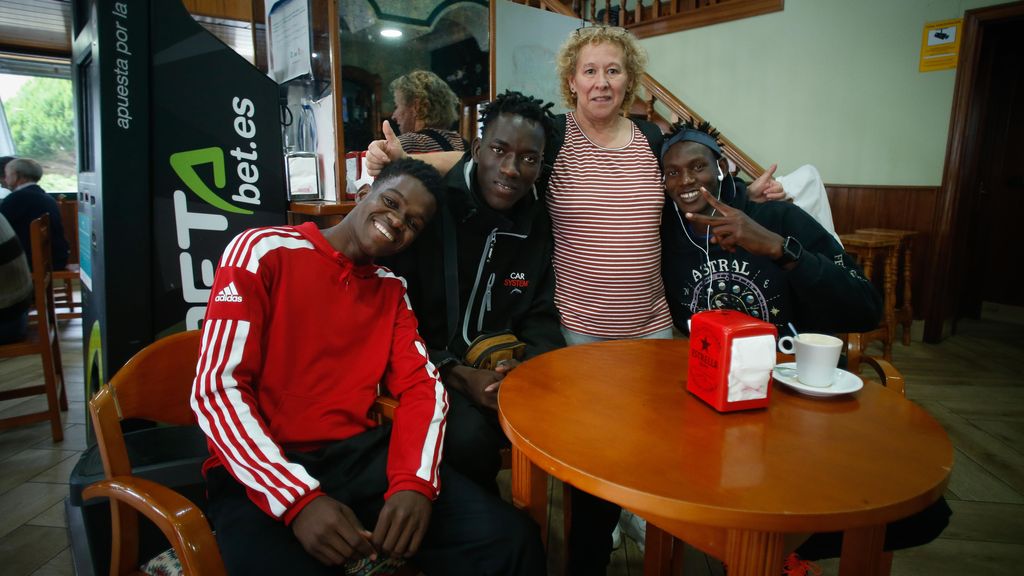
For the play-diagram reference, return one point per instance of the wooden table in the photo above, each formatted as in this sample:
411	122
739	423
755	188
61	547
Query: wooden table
867	248
614	419
905	248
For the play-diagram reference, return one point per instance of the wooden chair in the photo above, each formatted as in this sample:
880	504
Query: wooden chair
155	385
42	339
70	273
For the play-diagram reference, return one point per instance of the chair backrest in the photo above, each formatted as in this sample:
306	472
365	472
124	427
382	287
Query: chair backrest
69	218
42	276
154	385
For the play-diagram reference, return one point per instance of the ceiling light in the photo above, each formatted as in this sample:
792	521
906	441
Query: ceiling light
391	33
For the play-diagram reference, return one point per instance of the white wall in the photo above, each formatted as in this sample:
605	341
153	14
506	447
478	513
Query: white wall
527	42
828	82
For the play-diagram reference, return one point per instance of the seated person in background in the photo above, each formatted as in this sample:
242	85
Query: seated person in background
301	330
503	268
425	110
4	190
28	201
15	286
771	261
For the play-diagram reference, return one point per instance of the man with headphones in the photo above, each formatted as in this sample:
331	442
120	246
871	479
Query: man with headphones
771	261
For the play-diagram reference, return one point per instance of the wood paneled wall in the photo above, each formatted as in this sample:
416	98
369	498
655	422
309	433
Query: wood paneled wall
900	207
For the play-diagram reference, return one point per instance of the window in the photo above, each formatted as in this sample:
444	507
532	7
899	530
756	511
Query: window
36	100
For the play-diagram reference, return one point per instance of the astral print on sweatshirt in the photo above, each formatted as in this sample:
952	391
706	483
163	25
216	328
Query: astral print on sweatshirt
732	286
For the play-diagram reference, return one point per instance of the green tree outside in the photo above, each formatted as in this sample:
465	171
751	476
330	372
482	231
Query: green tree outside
42	121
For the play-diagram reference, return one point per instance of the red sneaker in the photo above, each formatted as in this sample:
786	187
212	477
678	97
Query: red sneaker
796	566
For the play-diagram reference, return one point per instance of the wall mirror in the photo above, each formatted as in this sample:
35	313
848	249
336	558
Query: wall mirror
384	39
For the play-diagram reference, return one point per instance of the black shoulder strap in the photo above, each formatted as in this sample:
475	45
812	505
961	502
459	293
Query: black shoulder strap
652	132
558	138
436	137
451	272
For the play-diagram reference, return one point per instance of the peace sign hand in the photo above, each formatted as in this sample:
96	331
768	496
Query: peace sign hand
733	228
765	187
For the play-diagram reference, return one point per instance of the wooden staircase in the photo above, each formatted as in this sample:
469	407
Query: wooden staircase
655	17
655	95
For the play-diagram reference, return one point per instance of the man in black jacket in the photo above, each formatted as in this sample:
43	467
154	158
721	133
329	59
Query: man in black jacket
493	232
771	261
29	201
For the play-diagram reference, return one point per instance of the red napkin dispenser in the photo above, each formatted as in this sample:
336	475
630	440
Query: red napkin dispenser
731	360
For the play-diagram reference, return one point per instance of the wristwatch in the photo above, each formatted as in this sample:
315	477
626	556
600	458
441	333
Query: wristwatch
445	365
791	251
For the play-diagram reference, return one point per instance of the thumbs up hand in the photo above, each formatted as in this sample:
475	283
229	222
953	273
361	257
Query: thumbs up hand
380	153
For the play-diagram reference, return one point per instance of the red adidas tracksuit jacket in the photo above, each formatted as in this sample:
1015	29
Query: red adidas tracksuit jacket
295	341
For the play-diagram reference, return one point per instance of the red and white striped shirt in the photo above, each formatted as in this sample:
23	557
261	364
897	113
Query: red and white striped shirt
295	341
605	209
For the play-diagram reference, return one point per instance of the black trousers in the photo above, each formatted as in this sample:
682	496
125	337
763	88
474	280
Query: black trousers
921	528
594	519
473	440
471	532
590	536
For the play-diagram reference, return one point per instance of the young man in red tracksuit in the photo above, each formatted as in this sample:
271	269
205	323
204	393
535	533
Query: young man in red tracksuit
301	331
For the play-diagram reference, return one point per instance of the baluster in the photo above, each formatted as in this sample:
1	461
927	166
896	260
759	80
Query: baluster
607	11
655	9
650	108
593	11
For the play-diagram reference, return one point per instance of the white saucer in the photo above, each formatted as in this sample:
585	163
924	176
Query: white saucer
844	383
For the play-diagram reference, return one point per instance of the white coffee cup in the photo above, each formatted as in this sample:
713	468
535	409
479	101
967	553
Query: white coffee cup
817	356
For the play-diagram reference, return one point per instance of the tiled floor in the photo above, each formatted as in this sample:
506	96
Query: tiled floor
971	383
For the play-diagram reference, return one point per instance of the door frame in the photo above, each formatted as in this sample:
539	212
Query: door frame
961	167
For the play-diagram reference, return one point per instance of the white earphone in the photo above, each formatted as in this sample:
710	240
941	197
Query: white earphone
721	175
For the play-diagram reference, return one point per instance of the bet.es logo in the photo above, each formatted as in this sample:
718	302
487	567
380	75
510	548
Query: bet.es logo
189	223
184	164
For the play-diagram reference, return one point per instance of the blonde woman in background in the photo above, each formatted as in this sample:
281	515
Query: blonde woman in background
425	111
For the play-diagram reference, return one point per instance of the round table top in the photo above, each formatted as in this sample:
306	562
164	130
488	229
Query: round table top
615	419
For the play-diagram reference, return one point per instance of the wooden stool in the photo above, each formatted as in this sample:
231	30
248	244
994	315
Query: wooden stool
867	248
905	312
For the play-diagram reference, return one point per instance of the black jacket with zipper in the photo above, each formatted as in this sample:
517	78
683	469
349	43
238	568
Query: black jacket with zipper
504	272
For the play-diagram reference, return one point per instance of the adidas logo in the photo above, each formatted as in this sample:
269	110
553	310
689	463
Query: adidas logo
228	294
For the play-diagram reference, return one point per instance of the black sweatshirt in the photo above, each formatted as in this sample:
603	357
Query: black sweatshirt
826	291
504	266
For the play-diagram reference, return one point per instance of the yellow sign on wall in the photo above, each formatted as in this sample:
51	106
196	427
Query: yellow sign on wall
940	45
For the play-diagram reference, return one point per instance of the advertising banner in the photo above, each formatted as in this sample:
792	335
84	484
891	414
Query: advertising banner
217	161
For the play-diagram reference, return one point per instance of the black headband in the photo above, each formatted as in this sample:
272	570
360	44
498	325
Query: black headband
691	135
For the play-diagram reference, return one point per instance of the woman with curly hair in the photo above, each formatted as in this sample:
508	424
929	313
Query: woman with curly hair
425	110
605	196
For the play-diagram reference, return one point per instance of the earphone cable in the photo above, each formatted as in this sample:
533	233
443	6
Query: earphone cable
706	249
